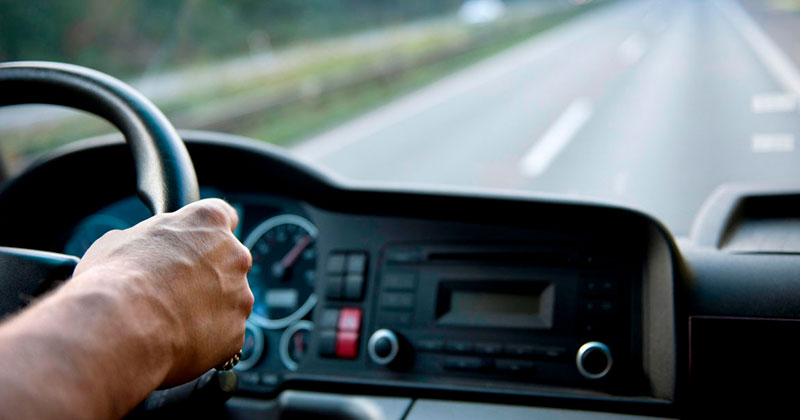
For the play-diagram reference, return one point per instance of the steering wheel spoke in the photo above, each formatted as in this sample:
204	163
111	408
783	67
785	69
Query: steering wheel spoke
27	273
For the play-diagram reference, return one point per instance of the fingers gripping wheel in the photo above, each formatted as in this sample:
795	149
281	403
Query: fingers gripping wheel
165	176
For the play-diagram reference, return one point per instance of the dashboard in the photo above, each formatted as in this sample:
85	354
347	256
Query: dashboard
417	302
439	304
434	294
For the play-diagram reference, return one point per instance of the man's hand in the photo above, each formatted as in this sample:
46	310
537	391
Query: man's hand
154	305
191	270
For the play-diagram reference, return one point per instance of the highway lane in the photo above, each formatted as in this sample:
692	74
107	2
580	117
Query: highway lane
647	103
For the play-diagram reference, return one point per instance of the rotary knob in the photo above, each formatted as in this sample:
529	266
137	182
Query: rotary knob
594	360
383	347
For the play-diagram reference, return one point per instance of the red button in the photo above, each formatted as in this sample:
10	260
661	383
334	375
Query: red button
346	345
349	320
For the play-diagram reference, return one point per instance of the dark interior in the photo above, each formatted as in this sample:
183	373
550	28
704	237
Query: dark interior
470	304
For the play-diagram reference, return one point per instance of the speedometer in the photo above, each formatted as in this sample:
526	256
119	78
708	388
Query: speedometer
284	270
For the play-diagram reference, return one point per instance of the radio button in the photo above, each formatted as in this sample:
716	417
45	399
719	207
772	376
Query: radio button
329	319
594	360
346	344
336	263
520	350
402	255
399	281
459	347
350	320
357	263
551	352
333	286
397	300
353	286
383	347
464	363
327	343
513	366
600	307
431	345
601	286
489	349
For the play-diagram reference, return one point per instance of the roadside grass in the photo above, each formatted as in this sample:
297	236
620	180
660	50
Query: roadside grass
303	119
325	88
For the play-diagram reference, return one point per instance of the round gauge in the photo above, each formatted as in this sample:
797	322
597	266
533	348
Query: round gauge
90	230
294	344
253	347
284	270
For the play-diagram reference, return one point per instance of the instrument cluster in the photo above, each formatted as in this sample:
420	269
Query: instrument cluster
282	278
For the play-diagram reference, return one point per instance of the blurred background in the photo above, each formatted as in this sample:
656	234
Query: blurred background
649	103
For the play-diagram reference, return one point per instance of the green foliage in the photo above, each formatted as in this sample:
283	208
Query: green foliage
130	37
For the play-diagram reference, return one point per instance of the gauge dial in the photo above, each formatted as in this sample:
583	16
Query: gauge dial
253	347
294	344
284	270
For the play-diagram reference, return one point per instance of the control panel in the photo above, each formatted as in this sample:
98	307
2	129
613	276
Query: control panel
457	314
518	314
418	305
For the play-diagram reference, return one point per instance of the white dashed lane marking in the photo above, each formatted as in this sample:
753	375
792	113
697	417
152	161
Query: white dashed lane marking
772	143
768	103
632	49
556	138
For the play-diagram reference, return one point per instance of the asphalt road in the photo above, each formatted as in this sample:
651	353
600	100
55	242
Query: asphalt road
648	103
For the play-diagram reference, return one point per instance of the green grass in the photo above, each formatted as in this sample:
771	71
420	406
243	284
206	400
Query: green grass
424	59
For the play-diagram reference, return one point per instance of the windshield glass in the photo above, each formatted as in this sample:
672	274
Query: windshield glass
649	103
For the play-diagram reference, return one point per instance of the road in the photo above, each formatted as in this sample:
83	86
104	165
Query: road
650	104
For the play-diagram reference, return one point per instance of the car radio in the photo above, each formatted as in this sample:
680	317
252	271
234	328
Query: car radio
515	314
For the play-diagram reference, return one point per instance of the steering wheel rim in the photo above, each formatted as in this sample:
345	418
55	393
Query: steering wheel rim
165	176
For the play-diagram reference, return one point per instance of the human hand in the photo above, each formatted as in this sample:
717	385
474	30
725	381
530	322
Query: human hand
187	272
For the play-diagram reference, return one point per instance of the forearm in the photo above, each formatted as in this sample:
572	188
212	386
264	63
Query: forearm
82	352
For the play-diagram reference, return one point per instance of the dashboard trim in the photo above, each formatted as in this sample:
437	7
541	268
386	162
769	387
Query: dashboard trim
271	170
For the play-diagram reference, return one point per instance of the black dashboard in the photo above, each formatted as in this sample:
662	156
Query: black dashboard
428	295
441	305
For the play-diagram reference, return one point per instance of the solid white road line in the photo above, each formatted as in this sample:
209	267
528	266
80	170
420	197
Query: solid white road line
772	143
767	103
632	49
539	157
776	61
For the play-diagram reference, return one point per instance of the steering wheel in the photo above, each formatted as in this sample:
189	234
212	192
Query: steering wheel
165	176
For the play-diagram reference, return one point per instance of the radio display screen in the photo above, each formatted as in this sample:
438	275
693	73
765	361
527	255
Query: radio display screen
476	302
491	304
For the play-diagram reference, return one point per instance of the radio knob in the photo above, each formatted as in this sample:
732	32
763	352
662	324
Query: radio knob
383	347
594	360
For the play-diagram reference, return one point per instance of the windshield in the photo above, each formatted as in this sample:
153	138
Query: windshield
650	103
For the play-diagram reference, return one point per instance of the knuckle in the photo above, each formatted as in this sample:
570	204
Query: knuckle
249	300
111	234
244	258
212	212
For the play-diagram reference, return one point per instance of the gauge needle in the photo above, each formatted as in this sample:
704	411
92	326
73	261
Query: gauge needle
280	267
